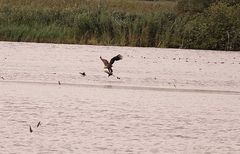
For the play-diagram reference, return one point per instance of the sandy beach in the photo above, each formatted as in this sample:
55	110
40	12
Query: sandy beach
164	101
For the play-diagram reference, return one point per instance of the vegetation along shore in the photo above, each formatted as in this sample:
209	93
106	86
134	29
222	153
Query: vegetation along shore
205	24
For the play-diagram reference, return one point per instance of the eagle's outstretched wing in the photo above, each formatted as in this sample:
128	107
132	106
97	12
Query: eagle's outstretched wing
116	58
105	62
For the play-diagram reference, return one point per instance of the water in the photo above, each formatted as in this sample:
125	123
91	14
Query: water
97	114
98	120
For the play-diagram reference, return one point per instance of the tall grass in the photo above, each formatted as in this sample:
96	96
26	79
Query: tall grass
129	6
74	22
121	22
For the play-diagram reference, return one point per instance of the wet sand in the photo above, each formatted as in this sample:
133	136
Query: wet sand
166	100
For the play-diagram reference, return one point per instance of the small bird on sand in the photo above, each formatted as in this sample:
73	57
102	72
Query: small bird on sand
59	82
108	65
39	123
2	77
83	73
30	129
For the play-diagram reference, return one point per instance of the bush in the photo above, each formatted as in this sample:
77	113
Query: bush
192	6
217	28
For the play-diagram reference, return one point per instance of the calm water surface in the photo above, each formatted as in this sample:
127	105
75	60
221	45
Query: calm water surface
100	115
105	120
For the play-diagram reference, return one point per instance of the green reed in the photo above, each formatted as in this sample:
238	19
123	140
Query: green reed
120	22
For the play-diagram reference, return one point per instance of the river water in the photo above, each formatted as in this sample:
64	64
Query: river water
160	104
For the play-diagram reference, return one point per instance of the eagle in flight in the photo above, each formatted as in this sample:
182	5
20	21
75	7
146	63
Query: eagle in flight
108	65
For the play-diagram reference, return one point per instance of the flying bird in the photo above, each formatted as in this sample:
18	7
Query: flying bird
83	73
39	123
108	65
30	129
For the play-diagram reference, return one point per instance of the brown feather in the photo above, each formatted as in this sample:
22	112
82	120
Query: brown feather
105	62
116	58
